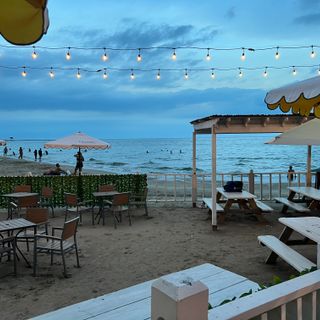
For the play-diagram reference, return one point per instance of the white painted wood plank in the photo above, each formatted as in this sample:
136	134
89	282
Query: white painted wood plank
293	205
263	207
208	202
310	192
294	258
236	195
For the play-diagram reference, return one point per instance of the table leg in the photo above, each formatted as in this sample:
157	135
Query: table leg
284	237
228	205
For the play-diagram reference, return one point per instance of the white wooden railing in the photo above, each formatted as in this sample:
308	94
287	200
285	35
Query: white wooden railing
174	187
295	299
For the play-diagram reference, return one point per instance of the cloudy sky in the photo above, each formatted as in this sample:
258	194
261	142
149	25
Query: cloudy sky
119	107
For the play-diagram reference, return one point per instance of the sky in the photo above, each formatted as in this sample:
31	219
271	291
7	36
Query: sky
37	106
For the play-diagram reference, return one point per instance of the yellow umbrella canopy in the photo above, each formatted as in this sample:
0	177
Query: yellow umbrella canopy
23	22
302	97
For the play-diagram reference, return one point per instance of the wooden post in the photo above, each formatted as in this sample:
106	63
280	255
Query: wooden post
251	181
194	169
308	182
214	177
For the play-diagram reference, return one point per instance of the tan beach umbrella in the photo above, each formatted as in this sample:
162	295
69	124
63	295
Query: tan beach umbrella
23	21
78	140
2	143
301	97
306	134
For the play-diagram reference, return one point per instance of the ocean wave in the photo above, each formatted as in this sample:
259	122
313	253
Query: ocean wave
189	169
117	164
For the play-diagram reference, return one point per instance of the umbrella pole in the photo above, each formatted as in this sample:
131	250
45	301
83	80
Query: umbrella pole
308	182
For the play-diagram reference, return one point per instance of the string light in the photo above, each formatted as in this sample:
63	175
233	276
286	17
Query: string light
213	76
294	71
265	74
186	75
158	77
132	76
312	54
51	73
139	57
104	57
319	71
208	57
34	54
243	56
277	55
174	55
24	72
78	74
68	55
105	74
240	73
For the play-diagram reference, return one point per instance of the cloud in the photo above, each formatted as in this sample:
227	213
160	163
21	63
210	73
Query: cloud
308	19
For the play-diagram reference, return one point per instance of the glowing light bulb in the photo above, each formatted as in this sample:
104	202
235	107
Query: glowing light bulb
240	73
34	54
186	75
265	74
174	55
104	57
312	54
294	71
78	74
24	72
243	56
139	57
132	76
213	76
105	75
68	55
319	71
208	57
158	77
51	74
277	55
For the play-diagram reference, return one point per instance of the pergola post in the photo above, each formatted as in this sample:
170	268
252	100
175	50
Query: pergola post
308	182
194	169
214	177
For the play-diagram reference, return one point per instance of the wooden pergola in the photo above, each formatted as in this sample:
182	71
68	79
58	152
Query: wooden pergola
224	124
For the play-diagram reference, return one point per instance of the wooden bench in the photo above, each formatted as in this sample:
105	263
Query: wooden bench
292	257
263	207
208	203
293	205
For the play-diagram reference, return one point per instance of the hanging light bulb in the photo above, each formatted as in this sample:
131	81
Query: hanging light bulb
24	72
51	73
243	56
312	54
208	57
105	74
104	57
213	76
78	74
34	54
186	75
139	56
265	74
68	55
132	76
240	73
277	55
319	71
294	71
158	77
174	55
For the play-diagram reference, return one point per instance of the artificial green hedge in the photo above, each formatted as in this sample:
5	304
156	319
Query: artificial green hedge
82	185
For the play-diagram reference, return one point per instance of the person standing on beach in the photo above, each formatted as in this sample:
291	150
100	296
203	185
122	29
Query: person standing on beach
20	153
5	151
79	163
40	154
291	174
35	152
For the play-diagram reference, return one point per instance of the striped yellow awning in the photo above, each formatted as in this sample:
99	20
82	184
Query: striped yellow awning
23	22
301	97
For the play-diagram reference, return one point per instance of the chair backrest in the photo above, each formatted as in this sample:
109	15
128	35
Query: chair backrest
106	188
121	199
37	215
71	199
46	192
22	188
70	228
26	202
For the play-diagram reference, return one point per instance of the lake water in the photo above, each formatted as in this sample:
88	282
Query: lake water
235	153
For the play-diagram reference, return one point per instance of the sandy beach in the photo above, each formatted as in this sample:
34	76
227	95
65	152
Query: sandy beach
172	239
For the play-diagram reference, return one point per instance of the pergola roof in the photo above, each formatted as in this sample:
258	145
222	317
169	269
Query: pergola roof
253	123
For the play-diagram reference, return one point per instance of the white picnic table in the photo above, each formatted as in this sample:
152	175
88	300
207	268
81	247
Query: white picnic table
134	303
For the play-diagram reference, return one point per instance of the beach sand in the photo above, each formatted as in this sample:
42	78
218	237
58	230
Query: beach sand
175	238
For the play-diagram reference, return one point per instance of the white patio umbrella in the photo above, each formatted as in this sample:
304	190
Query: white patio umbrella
305	134
301	97
2	143
78	140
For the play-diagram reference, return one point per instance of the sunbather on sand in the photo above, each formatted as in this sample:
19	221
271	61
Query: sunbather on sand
55	172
